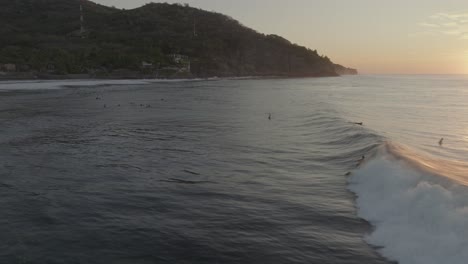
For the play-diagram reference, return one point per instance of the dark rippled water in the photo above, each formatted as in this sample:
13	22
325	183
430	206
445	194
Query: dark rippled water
185	172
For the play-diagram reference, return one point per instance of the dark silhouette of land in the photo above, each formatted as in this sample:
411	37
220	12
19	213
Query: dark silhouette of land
46	39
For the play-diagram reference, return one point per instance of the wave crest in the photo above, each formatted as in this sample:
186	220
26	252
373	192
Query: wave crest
419	218
454	170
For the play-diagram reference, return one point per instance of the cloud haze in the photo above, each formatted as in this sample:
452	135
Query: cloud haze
455	24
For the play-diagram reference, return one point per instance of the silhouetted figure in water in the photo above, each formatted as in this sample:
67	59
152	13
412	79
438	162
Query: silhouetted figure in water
348	173
105	106
361	161
360	123
269	116
441	141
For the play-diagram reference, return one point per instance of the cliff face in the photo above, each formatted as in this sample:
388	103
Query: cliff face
156	39
341	70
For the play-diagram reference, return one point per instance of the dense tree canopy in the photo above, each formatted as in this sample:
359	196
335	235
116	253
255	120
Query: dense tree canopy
40	33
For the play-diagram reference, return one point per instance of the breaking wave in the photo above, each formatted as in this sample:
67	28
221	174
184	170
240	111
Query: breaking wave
417	204
59	84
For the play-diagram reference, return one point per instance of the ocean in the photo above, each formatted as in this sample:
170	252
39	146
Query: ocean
195	171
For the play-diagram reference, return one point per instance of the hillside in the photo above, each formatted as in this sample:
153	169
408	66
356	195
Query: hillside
157	40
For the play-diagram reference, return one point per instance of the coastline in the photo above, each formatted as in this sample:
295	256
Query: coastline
90	77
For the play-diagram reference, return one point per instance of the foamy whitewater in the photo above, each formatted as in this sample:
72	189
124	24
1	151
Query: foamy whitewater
38	85
419	218
194	171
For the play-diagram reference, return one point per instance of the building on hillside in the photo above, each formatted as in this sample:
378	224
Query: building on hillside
178	58
8	67
146	65
51	68
181	61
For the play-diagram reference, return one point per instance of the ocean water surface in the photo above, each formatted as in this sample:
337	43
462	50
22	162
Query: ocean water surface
196	172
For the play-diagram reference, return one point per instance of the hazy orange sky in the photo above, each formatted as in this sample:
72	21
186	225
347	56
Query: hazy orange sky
374	36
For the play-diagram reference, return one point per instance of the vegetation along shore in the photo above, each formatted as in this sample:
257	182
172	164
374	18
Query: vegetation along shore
60	39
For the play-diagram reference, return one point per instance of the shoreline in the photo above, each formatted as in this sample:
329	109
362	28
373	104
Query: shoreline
30	78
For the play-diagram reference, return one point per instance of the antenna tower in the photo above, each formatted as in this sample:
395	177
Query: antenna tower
82	29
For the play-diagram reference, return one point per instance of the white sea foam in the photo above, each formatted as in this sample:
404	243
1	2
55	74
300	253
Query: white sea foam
48	85
59	84
418	218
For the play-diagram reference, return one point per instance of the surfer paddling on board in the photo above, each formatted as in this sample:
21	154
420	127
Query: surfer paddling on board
361	161
441	141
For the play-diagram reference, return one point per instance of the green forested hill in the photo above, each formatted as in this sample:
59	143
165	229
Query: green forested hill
44	36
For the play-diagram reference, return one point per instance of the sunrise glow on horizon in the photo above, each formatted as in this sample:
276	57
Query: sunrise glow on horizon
375	37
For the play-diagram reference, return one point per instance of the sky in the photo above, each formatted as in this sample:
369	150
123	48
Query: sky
373	36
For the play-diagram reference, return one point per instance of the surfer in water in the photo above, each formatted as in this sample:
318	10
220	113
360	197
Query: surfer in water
441	141
269	116
361	161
